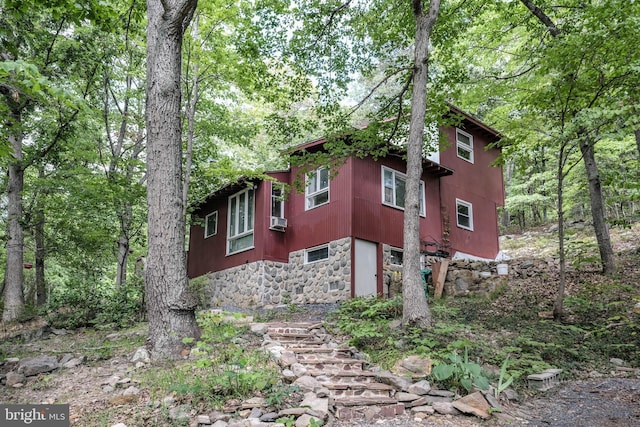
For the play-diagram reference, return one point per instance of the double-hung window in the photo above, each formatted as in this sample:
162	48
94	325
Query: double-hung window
211	224
241	215
464	145
394	187
317	188
464	214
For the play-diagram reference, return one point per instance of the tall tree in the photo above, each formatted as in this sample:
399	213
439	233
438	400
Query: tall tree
39	49
170	304
578	66
415	309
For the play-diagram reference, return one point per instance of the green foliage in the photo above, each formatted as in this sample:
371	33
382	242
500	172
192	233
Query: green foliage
288	421
505	380
88	303
224	368
583	253
365	320
460	373
281	395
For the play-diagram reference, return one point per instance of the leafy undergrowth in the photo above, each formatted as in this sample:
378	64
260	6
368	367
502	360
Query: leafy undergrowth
512	324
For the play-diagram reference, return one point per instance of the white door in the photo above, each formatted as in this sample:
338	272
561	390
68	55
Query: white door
366	254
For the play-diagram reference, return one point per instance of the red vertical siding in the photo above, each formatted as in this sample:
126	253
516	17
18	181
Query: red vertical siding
478	183
376	222
210	254
324	223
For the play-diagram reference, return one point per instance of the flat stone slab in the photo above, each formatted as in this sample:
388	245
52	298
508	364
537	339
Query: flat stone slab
36	365
474	404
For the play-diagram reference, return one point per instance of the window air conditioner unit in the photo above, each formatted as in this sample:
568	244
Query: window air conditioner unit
278	223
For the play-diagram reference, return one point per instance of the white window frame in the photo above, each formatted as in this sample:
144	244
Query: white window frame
469	206
394	203
277	186
207	234
249	220
463	146
312	193
315	248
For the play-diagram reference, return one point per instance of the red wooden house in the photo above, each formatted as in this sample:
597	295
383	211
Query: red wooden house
342	237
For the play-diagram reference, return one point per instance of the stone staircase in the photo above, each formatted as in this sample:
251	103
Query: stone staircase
349	383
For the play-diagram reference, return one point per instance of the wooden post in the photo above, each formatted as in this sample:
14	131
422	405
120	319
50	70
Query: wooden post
439	276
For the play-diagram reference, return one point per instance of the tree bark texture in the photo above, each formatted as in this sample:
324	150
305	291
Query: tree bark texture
415	309
558	306
637	134
40	285
598	211
13	290
170	305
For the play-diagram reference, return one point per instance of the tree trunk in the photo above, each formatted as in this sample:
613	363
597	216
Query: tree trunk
123	255
13	290
597	208
191	119
558	307
40	285
415	310
170	304
637	133
506	215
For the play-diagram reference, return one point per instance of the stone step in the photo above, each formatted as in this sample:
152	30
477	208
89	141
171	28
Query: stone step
341	376
351	389
371	412
362	401
292	344
298	325
314	350
324	363
322	355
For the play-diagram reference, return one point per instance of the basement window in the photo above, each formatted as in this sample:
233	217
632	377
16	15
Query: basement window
319	253
396	257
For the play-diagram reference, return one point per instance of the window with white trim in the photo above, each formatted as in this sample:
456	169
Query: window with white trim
317	188
318	253
394	188
241	213
211	224
464	214
464	145
277	200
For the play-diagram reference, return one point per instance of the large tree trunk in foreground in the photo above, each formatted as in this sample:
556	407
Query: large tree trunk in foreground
170	305
415	309
13	290
598	211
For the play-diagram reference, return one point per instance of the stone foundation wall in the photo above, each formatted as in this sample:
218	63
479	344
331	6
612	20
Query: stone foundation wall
265	283
327	281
